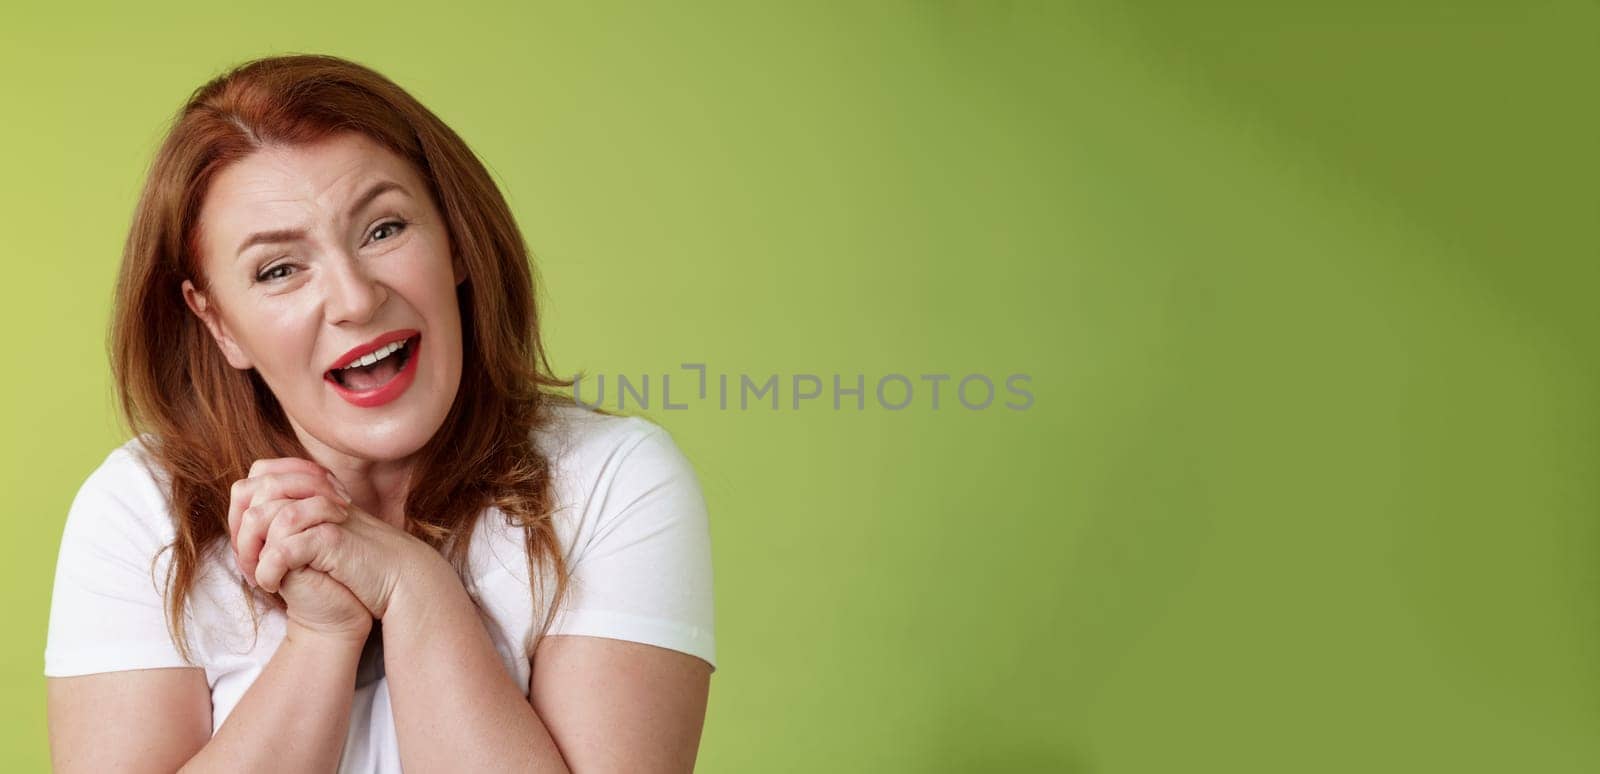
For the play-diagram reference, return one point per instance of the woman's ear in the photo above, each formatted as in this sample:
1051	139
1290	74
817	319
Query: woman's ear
202	308
459	266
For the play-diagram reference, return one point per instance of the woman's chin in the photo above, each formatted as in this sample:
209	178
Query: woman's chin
379	447
387	434
374	443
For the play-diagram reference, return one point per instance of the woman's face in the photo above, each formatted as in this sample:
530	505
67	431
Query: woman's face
317	255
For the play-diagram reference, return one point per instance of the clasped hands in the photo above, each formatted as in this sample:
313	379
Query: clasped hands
295	531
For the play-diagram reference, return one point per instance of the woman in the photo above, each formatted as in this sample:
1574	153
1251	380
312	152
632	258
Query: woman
356	530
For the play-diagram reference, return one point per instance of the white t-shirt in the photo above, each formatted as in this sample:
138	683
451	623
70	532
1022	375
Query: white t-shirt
629	513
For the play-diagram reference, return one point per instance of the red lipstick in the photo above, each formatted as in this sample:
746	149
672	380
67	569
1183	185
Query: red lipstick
371	346
389	390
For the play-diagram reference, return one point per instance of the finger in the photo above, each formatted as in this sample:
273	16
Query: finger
239	498
339	487
279	518
238	501
253	525
300	515
309	548
270	486
298	465
304	581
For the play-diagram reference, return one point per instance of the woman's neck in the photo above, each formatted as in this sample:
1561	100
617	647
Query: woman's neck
378	487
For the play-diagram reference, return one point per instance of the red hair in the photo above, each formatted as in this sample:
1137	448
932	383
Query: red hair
205	422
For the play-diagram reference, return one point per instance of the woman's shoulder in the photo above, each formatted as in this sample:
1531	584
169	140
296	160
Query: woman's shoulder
581	437
131	466
600	453
603	462
127	486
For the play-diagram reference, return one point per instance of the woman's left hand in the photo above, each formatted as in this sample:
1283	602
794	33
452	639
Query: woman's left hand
286	521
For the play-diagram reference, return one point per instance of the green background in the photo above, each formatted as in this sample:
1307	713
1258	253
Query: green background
1306	296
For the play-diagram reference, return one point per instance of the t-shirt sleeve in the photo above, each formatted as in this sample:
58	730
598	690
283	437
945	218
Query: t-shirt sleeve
642	571
106	610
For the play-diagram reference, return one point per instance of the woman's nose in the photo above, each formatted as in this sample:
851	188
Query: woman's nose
353	296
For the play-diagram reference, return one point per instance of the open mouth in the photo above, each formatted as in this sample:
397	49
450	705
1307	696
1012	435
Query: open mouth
384	366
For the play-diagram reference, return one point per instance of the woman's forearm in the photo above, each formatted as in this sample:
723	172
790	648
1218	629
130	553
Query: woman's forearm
455	707
294	717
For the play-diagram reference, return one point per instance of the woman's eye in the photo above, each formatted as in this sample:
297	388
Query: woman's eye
397	225
277	272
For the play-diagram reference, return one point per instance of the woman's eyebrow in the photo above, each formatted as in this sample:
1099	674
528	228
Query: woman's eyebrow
267	238
291	234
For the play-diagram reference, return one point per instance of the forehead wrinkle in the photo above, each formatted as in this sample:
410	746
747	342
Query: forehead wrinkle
288	178
298	177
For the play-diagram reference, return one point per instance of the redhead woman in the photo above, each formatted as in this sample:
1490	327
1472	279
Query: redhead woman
356	527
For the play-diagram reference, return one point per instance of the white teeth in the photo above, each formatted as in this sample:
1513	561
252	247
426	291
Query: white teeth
381	353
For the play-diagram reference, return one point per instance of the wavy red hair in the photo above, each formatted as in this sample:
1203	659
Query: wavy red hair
205	422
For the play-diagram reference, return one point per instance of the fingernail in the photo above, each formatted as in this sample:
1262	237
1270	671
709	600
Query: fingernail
338	486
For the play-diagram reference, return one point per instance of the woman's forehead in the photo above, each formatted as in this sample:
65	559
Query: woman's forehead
324	174
299	188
